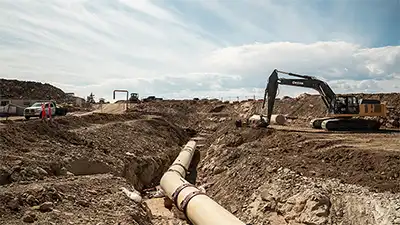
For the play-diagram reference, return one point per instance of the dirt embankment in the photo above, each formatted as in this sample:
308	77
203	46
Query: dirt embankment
297	177
75	166
16	89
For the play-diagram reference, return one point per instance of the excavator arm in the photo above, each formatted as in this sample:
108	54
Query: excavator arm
327	95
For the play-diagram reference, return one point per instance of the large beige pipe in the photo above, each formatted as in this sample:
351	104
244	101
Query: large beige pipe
275	119
198	207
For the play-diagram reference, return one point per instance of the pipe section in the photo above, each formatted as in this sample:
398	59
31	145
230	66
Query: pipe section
198	207
275	119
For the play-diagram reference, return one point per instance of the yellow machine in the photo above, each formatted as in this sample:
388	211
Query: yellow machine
343	111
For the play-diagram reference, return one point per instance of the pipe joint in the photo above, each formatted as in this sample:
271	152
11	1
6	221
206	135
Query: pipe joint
175	171
178	190
186	200
195	204
181	165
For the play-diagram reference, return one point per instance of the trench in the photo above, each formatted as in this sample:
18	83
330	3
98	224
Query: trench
137	151
261	176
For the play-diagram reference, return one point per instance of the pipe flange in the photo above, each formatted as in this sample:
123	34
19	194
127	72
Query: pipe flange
178	190
181	165
186	200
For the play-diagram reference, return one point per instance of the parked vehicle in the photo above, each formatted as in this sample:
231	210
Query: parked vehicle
36	110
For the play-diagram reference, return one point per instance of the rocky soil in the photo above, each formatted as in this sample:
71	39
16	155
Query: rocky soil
77	170
76	167
299	176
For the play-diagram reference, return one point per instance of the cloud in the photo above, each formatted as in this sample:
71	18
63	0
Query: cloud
197	48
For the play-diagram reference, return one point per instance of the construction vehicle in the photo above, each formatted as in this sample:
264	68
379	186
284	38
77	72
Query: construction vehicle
134	98
343	112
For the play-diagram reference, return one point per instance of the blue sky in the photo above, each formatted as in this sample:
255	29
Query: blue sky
193	48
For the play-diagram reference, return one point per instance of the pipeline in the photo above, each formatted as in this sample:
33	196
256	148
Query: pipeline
196	205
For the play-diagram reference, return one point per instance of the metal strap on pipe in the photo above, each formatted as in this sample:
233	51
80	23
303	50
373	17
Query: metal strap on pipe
178	190
187	198
196	205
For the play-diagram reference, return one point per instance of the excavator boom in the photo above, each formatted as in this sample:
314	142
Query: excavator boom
341	109
327	95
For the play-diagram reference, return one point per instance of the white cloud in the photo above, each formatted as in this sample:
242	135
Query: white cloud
214	50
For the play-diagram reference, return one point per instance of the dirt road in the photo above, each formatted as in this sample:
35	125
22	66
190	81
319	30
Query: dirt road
112	108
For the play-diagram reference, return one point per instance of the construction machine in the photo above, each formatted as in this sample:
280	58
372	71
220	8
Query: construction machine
343	112
134	98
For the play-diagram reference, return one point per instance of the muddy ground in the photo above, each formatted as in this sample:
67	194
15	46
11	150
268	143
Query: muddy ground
71	171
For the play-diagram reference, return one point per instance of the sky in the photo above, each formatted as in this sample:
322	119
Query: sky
200	48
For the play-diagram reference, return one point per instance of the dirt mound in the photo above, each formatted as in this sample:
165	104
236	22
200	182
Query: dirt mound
378	170
91	138
284	162
313	106
30	90
305	107
79	200
134	146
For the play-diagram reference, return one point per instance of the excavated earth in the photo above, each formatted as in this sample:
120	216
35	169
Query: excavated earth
71	171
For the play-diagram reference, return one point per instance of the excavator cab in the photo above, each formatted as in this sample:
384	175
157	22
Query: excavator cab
346	105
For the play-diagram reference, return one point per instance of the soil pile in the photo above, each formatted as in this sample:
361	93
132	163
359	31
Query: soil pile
285	177
306	107
82	161
16	89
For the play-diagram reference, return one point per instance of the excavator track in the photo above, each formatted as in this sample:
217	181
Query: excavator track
340	124
316	123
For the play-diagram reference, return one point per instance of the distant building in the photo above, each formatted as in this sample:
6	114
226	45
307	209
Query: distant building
74	100
79	101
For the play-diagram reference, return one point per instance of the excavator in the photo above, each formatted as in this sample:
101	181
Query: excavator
343	112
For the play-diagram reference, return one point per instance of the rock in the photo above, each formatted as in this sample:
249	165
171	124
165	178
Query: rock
71	197
316	209
29	217
396	221
271	169
46	207
63	171
4	176
83	203
286	170
16	168
234	209
68	214
13	204
266	196
218	170
35	172
93	192
31	200
42	172
133	195
69	174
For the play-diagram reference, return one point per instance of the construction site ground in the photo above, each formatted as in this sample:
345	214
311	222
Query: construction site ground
74	169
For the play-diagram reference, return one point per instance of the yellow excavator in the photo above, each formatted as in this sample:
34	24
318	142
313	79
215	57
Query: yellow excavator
344	111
